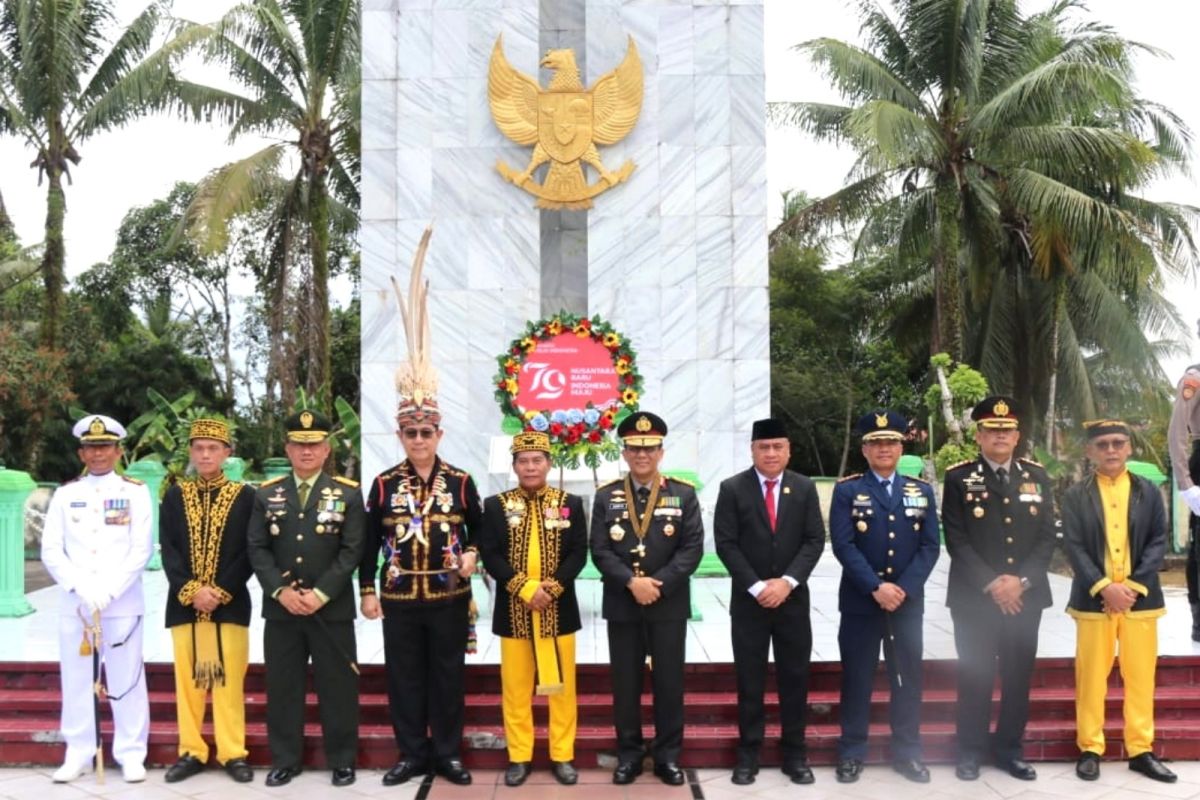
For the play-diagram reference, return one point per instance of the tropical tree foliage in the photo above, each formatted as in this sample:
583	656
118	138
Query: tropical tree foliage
298	64
1006	152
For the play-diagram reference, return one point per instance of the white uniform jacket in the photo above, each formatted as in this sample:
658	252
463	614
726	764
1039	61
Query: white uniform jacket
98	533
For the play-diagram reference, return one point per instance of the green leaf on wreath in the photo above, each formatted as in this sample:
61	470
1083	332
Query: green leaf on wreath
511	425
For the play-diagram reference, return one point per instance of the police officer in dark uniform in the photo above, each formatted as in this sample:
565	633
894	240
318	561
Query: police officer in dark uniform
883	527
1183	445
305	541
646	541
999	517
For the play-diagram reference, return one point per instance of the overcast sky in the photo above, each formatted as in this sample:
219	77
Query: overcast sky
141	163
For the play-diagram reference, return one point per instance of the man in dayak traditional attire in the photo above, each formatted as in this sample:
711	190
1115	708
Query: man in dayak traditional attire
202	530
534	543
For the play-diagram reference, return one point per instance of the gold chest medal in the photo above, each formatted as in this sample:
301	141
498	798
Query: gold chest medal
978	512
616	532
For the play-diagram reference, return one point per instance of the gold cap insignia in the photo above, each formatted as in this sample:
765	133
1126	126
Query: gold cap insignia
1000	409
881	420
643	424
96	428
306	419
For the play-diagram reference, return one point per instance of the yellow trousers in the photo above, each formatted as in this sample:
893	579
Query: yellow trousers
229	701
1096	640
517	674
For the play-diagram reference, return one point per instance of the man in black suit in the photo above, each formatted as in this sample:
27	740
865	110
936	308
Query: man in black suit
646	540
998	514
305	541
769	535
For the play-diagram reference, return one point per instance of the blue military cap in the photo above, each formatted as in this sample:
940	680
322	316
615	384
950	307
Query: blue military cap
878	425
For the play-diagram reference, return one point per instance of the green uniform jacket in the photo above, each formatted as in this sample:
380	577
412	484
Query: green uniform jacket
320	545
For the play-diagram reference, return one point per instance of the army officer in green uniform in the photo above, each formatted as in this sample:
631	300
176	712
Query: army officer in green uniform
305	541
646	539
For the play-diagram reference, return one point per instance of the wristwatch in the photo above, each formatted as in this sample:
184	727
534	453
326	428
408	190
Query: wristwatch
1025	584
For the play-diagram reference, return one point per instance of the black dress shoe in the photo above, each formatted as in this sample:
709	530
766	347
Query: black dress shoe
799	771
967	769
912	769
1019	768
343	776
452	769
1151	767
187	766
1088	766
743	774
669	773
848	770
564	772
404	769
239	770
626	772
281	776
517	772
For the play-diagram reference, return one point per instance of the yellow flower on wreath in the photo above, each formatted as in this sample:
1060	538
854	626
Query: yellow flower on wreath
529	344
583	328
622	366
530	414
510	385
611	339
629	397
555	327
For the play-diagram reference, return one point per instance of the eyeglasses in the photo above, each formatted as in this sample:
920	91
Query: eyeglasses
1109	444
419	433
635	449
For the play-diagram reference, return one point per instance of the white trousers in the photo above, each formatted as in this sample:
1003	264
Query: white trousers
125	678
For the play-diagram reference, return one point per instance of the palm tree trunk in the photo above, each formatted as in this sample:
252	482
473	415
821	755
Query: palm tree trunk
947	332
846	434
53	258
319	358
1060	301
7	233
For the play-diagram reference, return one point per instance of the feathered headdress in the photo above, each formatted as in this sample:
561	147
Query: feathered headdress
416	380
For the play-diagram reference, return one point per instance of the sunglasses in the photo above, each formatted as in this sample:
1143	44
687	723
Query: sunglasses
635	449
1109	444
419	433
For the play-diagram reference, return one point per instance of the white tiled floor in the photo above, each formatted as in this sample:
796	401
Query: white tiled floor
34	637
1055	780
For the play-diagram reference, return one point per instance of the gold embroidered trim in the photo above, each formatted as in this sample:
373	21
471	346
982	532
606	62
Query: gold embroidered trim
550	546
206	514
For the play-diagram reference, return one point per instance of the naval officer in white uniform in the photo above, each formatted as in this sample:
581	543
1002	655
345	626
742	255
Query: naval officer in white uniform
96	541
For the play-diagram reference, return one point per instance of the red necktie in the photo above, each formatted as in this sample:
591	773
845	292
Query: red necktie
771	503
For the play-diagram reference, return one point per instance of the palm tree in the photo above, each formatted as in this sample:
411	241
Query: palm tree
298	62
61	84
968	116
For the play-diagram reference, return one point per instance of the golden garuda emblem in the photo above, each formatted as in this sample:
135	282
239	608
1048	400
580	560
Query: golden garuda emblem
564	123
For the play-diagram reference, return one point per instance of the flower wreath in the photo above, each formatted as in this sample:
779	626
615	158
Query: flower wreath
577	434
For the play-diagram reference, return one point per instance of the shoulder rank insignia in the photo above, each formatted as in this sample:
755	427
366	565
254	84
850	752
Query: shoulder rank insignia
960	464
272	481
353	484
134	481
607	484
680	480
853	477
1030	461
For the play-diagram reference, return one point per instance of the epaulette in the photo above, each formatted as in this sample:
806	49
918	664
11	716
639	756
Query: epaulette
345	481
272	481
609	483
680	480
853	477
1031	461
915	478
134	481
960	464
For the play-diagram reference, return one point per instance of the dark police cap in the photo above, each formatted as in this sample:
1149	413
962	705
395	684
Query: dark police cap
995	412
1105	427
307	426
882	425
769	428
642	429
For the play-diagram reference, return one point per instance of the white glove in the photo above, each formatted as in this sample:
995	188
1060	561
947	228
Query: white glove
92	599
1192	498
